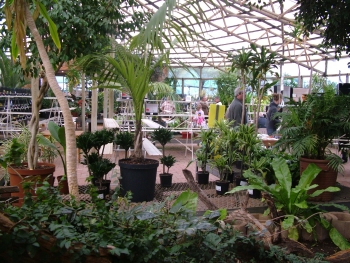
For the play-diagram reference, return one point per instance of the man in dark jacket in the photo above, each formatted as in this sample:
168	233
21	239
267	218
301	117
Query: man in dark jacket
234	111
271	120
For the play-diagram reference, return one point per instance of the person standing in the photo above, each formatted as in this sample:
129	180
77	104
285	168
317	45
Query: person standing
217	100
234	111
271	120
204	105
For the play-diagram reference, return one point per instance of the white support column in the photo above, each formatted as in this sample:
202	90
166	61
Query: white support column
111	103
94	107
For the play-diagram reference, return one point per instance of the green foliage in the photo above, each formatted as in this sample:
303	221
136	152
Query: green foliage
100	167
125	140
13	155
205	150
10	76
163	136
133	232
220	162
96	140
325	15
168	161
308	127
291	201
226	82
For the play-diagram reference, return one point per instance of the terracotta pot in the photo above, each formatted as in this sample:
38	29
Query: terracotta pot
16	180
327	177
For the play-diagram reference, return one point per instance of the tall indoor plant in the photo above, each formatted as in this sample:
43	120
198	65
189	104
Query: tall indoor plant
309	127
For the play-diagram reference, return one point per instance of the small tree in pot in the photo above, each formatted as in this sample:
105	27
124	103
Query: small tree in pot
97	140
163	136
100	168
220	162
166	178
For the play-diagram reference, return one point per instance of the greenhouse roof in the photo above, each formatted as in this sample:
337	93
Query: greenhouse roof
231	25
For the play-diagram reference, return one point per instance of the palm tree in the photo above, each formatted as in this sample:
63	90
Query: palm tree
9	77
133	72
19	17
242	61
264	61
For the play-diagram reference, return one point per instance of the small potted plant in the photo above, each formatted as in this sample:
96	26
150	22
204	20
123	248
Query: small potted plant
99	168
166	178
220	162
163	136
203	154
97	140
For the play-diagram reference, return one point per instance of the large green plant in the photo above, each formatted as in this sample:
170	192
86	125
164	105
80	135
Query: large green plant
291	201
309	127
226	82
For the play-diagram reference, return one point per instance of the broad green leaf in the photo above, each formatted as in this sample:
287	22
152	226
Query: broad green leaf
14	47
187	199
328	189
52	26
308	176
283	175
302	204
293	233
288	222
338	239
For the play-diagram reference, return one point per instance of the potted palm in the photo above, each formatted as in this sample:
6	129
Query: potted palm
309	126
166	178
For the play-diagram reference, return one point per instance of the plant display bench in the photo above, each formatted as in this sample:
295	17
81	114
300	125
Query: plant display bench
5	194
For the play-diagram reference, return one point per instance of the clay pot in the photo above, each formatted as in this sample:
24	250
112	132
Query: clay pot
16	180
327	177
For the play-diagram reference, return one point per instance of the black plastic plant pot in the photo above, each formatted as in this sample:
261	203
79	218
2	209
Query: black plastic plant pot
106	183
230	177
221	187
256	194
166	180
202	177
101	191
139	179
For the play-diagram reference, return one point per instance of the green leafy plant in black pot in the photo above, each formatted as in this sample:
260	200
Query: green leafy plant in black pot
220	162
97	141
163	136
203	153
99	168
166	178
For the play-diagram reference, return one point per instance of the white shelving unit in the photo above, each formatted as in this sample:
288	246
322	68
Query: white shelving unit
15	111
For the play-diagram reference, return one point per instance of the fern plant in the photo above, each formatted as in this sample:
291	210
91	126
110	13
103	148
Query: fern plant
309	126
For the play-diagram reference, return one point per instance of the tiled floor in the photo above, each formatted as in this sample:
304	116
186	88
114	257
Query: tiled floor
183	157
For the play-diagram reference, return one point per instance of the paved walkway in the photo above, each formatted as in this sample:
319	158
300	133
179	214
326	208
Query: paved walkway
182	157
